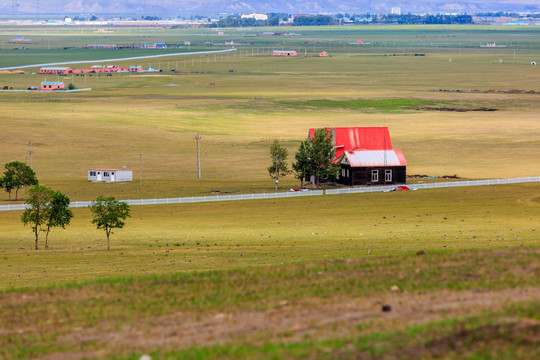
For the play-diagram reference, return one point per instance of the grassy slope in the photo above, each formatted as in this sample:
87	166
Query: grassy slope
44	321
172	238
263	99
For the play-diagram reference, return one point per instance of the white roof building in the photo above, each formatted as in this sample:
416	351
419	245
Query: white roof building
255	16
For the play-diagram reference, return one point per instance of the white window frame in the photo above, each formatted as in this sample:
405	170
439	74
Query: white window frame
388	175
374	175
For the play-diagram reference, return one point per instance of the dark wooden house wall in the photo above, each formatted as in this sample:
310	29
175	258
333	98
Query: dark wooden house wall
362	175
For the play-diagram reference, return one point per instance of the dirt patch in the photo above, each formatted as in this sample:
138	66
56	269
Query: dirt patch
430	108
318	318
518	333
490	91
496	338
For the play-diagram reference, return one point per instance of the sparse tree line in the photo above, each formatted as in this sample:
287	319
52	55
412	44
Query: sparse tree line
47	208
346	18
314	159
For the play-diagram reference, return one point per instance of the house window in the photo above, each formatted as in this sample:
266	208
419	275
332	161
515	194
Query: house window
347	172
105	173
374	175
343	172
112	173
388	175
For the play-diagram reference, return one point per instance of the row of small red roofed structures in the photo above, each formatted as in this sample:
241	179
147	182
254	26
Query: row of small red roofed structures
63	70
294	53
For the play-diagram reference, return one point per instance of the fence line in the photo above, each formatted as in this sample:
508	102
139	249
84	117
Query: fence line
365	189
188	200
281	195
118	59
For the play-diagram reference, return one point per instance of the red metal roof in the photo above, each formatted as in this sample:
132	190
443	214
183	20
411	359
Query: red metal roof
359	138
368	158
365	146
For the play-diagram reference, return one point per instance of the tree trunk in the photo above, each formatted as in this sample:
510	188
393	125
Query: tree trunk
47	238
108	247
16	193
37	234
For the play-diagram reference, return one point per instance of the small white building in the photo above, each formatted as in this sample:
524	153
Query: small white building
255	16
110	175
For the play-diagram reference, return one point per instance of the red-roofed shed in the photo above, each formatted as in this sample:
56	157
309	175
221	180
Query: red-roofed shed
366	156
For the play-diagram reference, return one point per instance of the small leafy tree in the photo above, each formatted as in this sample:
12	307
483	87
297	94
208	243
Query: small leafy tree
16	176
302	166
47	209
316	156
37	214
108	214
279	167
59	214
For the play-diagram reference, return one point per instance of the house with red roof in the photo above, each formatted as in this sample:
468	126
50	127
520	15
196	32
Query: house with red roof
366	156
52	85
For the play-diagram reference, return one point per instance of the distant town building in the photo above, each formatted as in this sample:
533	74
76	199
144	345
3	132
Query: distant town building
52	85
255	16
285	53
101	46
135	68
55	70
396	10
159	45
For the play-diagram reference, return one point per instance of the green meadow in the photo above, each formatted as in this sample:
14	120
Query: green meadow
284	278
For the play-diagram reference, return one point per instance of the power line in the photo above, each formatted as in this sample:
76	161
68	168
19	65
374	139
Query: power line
20	157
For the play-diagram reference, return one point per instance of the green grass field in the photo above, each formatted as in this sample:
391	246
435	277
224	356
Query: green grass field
292	278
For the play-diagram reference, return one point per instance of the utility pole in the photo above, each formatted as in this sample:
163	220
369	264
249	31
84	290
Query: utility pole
276	159
198	138
140	170
30	152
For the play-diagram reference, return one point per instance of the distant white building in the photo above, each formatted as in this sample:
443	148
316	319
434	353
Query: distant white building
255	16
110	175
396	11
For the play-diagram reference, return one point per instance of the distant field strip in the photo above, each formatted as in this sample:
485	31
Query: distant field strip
118	59
280	195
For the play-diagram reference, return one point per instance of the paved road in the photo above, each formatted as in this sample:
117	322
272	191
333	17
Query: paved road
116	59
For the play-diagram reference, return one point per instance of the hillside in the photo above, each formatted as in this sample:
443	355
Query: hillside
203	7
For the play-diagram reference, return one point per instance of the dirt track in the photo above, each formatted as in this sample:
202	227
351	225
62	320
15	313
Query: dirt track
319	318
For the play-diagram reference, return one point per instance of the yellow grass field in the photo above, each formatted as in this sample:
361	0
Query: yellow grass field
290	278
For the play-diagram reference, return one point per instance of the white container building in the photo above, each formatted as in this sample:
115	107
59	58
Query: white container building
110	175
